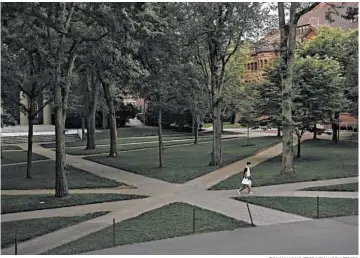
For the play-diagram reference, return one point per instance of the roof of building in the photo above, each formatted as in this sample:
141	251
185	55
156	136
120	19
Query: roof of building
314	19
317	16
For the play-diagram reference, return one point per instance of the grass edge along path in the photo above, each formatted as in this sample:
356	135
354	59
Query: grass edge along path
321	160
23	203
186	162
306	206
349	187
31	228
169	221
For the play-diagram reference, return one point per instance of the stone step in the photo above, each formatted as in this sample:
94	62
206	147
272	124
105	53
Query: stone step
36	138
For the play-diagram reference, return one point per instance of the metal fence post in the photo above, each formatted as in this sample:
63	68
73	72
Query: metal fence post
16	246
317	207
193	220
114	232
252	223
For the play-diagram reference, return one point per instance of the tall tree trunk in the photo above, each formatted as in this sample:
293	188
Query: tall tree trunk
91	118
298	146
112	118
216	158
314	136
196	129
222	125
161	157
335	132
248	135
104	120
83	124
287	46
193	123
61	186
278	131
30	142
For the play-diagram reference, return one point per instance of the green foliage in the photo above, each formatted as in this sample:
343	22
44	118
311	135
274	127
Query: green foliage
343	47
124	113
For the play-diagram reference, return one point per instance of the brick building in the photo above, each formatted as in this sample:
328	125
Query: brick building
266	50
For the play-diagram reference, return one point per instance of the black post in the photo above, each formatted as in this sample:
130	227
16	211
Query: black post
252	223
317	206
114	232
16	247
193	220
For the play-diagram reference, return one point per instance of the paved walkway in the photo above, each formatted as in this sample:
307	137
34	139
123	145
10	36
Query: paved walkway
337	236
193	192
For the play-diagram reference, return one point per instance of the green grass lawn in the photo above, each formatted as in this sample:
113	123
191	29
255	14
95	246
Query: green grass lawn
350	187
226	125
125	136
43	177
10	157
173	220
306	206
10	147
183	163
20	203
153	143
321	159
31	228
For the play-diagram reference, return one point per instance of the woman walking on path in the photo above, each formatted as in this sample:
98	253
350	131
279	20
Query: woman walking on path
246	181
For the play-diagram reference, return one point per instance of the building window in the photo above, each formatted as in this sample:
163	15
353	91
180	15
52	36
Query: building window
255	66
261	64
248	66
265	62
252	66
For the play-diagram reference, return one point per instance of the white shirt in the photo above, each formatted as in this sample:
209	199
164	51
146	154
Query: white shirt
248	174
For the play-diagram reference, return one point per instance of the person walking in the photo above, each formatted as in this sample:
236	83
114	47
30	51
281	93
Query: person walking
246	181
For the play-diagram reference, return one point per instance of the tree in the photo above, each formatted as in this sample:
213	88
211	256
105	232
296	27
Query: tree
318	93
216	30
287	48
342	47
24	73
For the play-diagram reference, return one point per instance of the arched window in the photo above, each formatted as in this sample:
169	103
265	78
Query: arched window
265	62
255	66
252	66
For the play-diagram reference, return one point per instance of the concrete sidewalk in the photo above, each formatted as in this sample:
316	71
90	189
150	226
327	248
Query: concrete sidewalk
337	236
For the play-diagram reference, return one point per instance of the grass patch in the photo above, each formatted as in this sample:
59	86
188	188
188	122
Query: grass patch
183	163
30	228
321	159
173	220
151	144
11	157
43	177
10	147
350	187
20	203
226	125
307	206
125	135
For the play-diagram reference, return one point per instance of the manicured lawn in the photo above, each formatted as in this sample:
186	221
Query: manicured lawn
166	222
153	143
306	206
20	203
10	157
43	177
321	159
183	163
10	147
351	187
125	136
31	228
226	125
